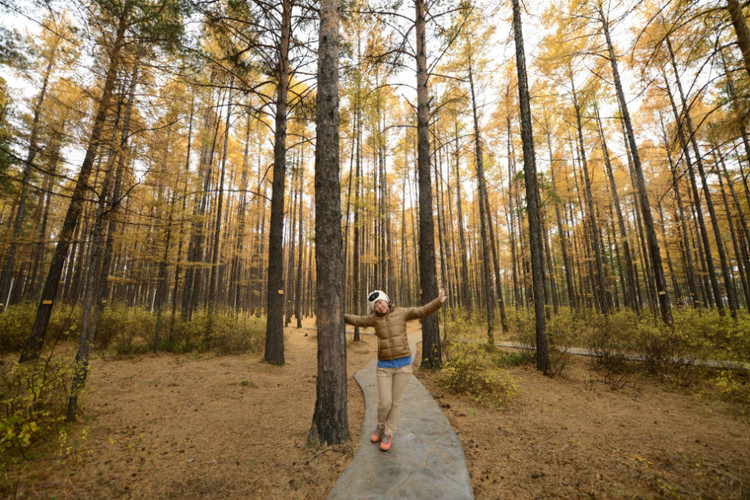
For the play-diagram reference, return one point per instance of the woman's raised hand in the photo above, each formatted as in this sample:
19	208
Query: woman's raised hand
442	296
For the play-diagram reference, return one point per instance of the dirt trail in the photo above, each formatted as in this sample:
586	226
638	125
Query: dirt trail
188	426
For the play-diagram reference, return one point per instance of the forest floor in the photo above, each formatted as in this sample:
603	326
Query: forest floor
207	426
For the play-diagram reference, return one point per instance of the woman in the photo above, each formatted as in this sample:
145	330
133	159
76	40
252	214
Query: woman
394	356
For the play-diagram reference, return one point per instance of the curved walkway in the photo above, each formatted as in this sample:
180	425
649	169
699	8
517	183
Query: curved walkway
426	461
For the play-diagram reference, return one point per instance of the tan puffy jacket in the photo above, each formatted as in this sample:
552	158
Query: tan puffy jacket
391	327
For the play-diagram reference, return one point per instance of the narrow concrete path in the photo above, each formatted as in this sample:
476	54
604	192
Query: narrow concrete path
426	461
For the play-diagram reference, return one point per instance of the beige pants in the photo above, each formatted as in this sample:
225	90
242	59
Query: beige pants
392	383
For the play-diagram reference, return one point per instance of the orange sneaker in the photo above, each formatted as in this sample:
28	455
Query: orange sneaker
376	435
385	444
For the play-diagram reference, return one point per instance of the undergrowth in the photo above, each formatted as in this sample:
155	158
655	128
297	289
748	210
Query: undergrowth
34	395
131	330
625	343
474	370
34	402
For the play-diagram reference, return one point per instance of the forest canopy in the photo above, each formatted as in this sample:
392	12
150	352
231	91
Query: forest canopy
142	146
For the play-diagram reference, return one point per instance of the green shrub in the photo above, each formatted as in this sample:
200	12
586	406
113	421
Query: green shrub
123	327
470	370
733	385
34	401
465	326
714	336
131	330
521	325
457	327
15	325
565	329
504	359
227	334
16	322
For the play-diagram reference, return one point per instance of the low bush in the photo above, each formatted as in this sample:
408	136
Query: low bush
521	325
131	331
460	326
504	359
15	325
227	334
470	370
565	329
733	385
123	327
16	322
34	401
713	336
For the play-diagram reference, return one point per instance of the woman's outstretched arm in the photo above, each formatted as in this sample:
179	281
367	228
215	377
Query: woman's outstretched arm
427	309
353	319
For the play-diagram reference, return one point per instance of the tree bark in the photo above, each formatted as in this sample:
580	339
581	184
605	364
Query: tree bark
741	30
431	351
731	295
330	423
483	219
466	301
274	352
532	196
601	291
33	346
629	296
652	241
301	248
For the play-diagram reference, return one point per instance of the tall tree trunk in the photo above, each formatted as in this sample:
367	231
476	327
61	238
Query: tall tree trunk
33	346
466	301
100	258
5	276
178	268
301	250
236	273
213	284
653	243
194	273
496	263
741	30
163	283
563	243
359	293
330	423
440	200
483	219
698	207
511	213
743	227
731	295
532	196
274	352
719	160
690	270
601	291
630	293
431	351
294	194
86	335
46	195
